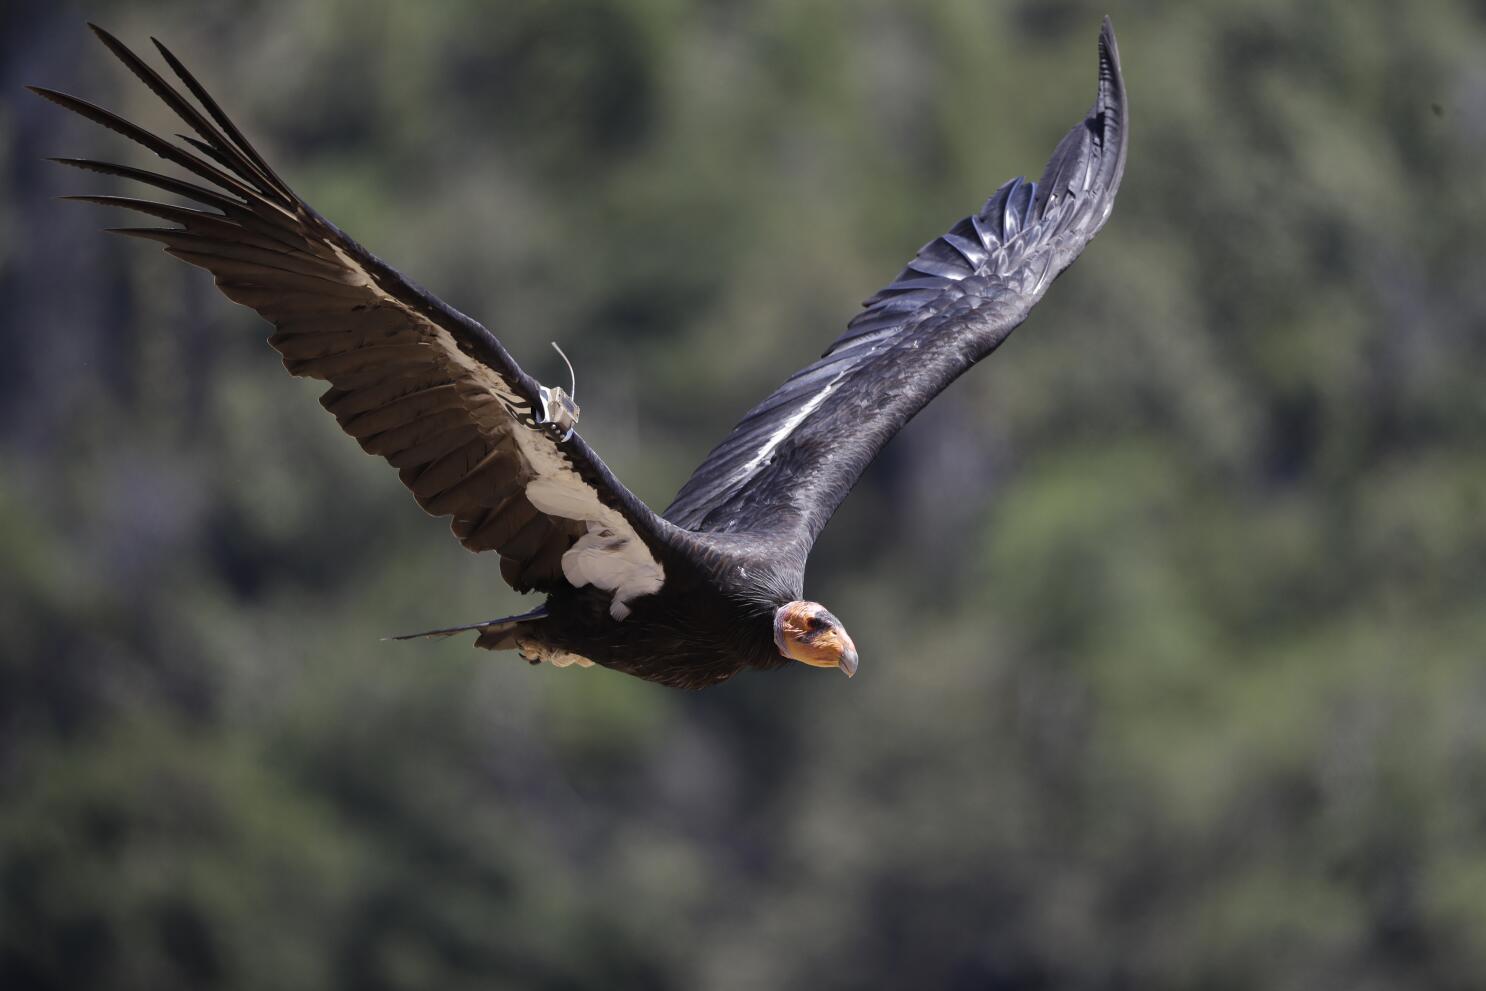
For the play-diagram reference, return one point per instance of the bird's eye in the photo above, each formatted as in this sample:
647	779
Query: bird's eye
816	624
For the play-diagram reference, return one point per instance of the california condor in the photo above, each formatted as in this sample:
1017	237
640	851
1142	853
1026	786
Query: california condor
715	583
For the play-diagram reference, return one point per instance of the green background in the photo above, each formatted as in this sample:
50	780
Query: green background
1171	615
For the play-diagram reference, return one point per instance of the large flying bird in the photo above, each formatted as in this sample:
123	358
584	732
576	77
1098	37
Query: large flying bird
714	584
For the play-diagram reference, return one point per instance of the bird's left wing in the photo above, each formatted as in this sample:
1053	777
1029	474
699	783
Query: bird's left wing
411	379
786	467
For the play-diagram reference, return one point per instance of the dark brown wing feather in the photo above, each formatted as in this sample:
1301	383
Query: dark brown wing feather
411	379
790	462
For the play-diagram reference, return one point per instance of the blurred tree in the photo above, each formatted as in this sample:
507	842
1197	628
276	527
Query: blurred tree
1170	615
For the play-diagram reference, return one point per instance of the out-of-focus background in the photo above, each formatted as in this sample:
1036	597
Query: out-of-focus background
1172	615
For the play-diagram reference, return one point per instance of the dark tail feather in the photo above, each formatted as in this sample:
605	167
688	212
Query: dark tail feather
495	634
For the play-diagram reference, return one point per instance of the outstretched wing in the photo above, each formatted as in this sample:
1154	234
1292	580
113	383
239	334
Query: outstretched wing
412	379
786	467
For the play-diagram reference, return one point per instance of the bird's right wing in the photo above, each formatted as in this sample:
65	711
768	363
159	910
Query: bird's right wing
411	379
786	467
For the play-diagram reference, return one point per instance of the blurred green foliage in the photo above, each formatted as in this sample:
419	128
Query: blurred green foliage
1171	615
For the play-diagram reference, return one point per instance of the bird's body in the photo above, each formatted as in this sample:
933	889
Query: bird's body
714	584
723	624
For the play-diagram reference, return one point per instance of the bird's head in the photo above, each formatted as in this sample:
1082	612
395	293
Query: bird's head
807	632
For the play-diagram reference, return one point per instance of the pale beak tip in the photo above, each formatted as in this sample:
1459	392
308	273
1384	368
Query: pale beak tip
849	662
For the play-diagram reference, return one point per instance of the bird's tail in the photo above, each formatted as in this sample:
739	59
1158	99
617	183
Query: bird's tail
495	634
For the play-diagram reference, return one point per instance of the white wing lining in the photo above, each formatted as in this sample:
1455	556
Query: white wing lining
610	556
785	429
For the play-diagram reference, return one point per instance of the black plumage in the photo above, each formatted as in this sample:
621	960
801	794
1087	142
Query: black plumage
713	585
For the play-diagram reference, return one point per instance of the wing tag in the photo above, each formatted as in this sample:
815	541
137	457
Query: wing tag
560	408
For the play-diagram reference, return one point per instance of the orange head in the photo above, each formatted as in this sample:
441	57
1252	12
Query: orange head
807	632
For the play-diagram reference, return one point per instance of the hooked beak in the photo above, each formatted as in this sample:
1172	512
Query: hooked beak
807	632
